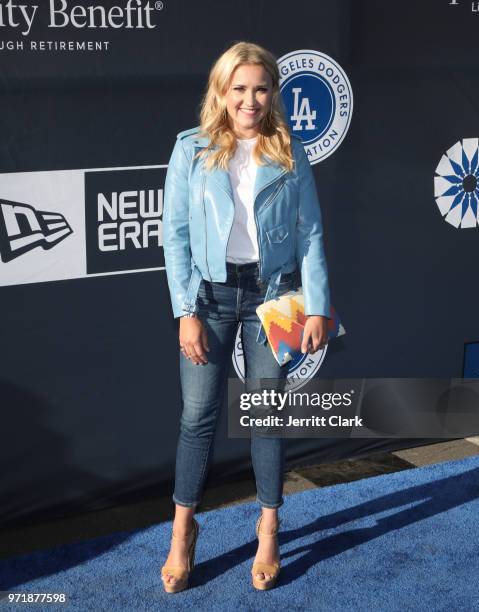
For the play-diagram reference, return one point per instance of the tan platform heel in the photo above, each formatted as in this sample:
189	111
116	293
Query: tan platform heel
265	568
181	574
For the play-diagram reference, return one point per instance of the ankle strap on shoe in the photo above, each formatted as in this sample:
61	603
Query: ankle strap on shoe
275	531
194	528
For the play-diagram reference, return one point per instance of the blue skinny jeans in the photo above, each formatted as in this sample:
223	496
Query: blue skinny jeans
221	307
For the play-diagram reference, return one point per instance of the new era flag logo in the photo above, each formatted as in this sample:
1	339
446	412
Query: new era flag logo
22	228
112	219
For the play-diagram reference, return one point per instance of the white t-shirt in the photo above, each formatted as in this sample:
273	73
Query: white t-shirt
242	245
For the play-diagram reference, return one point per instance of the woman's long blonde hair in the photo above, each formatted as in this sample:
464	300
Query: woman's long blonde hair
274	139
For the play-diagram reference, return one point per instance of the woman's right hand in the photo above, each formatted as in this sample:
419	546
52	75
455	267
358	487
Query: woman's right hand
193	340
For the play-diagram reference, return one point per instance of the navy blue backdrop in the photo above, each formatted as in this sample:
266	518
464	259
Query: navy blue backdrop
89	389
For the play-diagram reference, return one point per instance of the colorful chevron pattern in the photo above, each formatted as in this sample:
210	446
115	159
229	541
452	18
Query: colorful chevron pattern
283	321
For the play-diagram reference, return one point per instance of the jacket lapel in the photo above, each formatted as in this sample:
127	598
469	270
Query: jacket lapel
265	174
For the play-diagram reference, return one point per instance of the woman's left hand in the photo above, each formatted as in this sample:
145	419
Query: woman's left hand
315	334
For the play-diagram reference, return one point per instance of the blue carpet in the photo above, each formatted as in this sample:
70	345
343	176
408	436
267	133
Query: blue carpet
404	541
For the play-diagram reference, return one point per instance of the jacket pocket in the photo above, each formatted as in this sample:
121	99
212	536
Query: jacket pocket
278	234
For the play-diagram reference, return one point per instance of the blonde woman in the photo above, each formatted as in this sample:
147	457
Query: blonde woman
241	222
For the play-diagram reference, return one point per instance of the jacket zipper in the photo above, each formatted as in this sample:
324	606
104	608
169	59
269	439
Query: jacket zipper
258	233
228	239
273	195
206	227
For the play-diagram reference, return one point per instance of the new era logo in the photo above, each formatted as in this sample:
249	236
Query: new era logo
22	228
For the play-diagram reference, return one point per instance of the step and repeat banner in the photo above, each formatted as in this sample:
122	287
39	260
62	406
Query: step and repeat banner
92	94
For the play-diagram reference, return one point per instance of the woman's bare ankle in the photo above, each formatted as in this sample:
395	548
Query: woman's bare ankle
183	521
269	519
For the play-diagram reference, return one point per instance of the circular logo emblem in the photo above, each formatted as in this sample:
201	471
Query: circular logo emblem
456	186
318	101
300	370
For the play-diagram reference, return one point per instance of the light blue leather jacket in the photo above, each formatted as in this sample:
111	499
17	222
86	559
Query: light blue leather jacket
198	215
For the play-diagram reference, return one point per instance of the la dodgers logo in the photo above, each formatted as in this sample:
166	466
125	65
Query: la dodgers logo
318	100
300	370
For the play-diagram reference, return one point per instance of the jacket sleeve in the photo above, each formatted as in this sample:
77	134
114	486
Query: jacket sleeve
176	234
309	242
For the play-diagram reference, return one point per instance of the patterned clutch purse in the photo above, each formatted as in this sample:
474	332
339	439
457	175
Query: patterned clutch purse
283	321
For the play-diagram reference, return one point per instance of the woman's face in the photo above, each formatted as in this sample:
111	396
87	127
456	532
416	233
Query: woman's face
248	99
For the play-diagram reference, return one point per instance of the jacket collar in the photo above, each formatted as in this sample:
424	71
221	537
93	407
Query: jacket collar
265	175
